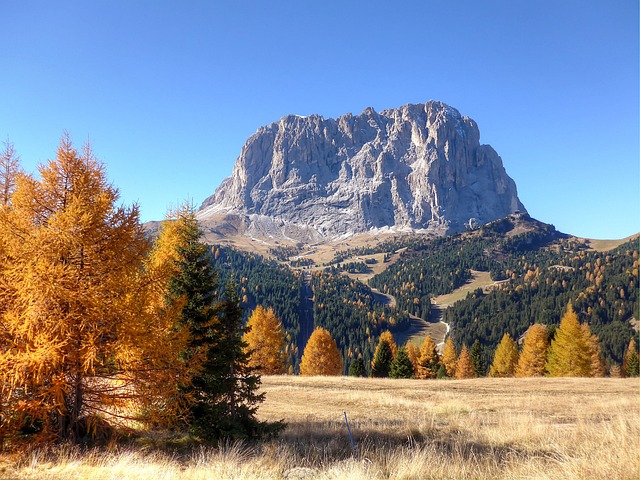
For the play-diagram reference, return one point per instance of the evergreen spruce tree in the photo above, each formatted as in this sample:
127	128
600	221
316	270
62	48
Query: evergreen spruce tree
223	393
356	369
194	281
477	359
401	366
227	389
381	364
633	365
442	372
631	361
388	337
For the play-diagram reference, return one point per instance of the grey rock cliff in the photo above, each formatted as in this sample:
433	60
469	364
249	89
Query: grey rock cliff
417	167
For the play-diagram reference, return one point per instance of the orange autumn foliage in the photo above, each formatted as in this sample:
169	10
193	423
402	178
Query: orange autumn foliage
80	331
265	342
321	355
464	368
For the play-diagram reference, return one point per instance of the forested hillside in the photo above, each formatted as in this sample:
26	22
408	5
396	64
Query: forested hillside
539	271
348	309
345	307
603	288
436	268
263	282
542	270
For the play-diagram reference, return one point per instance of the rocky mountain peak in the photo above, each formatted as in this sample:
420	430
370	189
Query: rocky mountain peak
416	167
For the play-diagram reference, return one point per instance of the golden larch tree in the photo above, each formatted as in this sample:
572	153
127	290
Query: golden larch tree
598	367
505	359
413	352
80	334
532	359
429	360
570	354
464	368
321	355
266	342
449	357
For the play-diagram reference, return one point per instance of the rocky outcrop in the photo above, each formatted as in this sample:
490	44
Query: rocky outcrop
417	167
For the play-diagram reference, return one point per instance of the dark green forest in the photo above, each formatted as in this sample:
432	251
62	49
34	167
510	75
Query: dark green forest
603	288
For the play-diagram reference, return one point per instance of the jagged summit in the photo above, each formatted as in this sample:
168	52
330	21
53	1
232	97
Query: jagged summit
414	168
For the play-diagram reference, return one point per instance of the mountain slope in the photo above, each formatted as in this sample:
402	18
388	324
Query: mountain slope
411	168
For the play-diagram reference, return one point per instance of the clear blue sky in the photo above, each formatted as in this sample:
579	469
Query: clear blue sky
168	92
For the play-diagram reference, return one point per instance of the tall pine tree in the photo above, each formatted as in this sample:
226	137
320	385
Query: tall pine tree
401	367
227	389
223	388
476	355
381	364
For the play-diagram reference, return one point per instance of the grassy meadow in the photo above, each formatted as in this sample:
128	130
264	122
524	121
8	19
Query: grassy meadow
403	429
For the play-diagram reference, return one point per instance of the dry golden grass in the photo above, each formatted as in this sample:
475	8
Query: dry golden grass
403	429
478	280
606	245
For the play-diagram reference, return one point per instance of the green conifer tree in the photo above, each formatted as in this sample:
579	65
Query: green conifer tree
227	389
401	366
194	281
476	355
381	364
356	369
631	363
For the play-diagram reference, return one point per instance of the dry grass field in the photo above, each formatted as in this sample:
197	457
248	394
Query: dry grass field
403	429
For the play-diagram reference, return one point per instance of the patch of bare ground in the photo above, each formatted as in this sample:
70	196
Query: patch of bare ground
535	428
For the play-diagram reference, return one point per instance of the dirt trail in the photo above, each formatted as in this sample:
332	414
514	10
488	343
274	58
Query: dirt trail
436	328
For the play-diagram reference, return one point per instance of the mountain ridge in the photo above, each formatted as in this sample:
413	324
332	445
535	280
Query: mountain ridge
419	167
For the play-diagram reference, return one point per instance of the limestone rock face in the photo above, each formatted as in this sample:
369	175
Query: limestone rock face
417	167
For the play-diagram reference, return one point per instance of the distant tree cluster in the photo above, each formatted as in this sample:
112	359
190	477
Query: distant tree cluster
573	351
265	283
